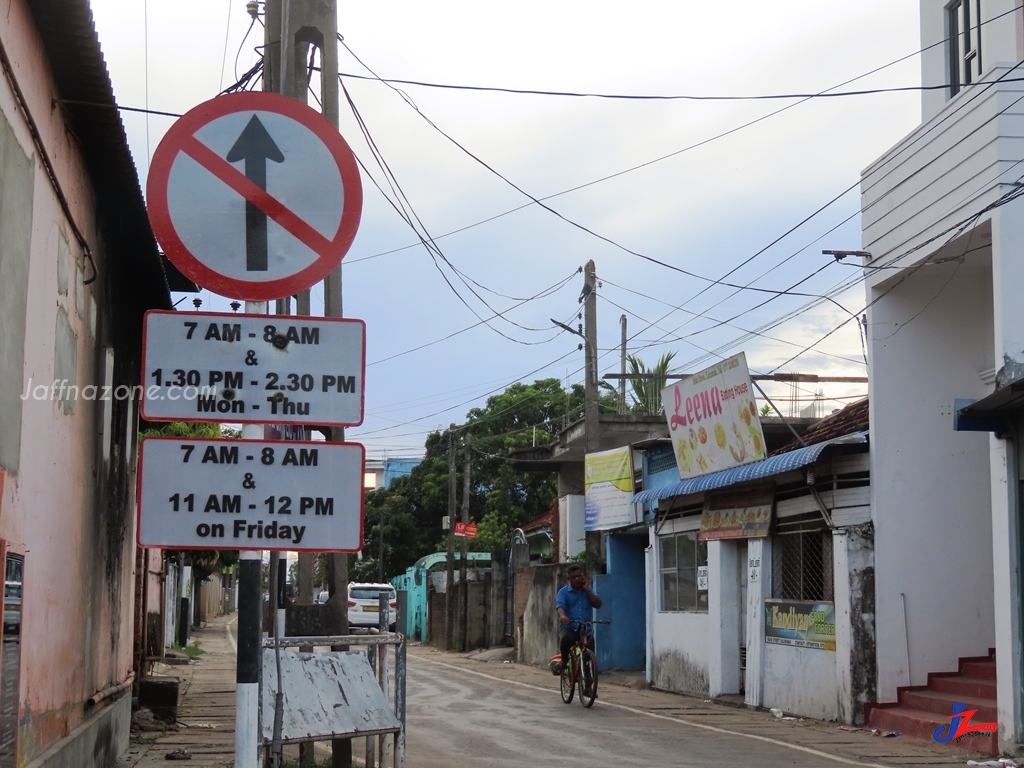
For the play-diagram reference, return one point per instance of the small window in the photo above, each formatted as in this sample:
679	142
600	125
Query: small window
964	27
802	566
681	557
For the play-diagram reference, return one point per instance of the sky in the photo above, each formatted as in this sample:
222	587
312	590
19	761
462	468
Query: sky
668	197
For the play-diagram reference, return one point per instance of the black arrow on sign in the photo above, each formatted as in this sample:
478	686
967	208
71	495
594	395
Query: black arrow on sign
255	147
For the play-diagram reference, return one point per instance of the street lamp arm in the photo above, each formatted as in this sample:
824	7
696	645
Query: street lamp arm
593	347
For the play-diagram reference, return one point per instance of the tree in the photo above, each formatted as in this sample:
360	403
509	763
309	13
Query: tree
645	389
502	498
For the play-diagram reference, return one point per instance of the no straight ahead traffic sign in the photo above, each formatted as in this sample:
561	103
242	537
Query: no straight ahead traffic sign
254	196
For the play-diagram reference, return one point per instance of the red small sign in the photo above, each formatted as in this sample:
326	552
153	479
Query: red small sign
254	195
466	529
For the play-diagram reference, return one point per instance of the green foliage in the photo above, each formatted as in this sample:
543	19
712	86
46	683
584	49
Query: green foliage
501	498
205	562
646	392
766	410
192	650
183	429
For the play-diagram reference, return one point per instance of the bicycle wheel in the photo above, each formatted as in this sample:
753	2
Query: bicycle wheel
567	681
588	678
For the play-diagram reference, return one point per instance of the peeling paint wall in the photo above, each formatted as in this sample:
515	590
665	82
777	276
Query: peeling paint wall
68	497
855	620
15	241
676	671
537	624
680	654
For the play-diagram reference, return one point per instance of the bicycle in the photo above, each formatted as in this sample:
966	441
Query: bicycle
581	671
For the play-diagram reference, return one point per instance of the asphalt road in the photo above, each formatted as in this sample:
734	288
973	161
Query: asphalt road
488	715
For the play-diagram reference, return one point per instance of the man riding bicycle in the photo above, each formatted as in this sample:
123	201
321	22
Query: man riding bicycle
575	603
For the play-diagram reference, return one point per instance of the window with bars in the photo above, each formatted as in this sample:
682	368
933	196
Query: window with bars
964	25
802	566
680	557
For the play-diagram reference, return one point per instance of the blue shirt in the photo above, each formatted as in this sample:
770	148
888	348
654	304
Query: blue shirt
576	604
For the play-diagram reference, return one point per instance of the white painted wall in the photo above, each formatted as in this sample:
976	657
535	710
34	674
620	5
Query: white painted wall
724	573
1001	43
679	652
930	340
571	526
1007	469
801	681
936	333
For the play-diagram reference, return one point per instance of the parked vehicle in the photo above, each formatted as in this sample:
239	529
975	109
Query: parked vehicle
364	605
12	608
322	597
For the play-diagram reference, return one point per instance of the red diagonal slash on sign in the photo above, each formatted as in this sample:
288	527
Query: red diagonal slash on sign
252	193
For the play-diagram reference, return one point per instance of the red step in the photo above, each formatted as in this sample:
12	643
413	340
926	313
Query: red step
985	670
923	709
921	724
964	687
942	703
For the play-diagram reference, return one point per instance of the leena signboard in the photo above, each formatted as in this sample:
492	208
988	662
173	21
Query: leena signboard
712	419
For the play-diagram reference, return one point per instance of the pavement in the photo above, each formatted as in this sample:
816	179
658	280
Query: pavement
204	731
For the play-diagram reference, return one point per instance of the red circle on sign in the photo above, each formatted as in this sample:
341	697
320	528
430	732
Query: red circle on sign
181	139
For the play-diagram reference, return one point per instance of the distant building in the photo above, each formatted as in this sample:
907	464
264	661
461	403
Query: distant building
379	473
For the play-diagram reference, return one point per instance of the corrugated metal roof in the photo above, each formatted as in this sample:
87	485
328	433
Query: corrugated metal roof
756	470
69	36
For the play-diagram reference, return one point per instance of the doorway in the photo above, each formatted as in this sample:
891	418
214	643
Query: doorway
10	672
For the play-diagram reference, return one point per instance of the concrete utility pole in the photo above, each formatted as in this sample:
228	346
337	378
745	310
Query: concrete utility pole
448	605
591	409
292	28
463	575
622	365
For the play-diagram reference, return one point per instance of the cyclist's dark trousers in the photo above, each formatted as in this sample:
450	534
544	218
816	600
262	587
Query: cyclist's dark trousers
566	637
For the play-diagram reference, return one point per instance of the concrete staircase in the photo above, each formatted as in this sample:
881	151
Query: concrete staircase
921	709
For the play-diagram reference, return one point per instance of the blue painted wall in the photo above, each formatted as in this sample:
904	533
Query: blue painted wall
395	468
621	644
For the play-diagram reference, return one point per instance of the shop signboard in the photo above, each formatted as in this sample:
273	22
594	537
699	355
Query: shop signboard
800	623
712	419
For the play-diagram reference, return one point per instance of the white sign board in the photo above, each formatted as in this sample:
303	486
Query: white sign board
712	419
250	494
253	368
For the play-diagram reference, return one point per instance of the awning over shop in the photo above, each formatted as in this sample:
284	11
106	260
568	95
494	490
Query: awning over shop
988	414
756	470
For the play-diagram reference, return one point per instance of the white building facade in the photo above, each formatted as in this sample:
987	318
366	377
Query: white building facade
709	600
944	227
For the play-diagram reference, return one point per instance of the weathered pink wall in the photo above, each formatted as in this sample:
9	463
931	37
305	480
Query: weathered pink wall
76	612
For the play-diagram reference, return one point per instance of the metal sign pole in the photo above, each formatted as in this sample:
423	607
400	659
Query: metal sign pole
250	630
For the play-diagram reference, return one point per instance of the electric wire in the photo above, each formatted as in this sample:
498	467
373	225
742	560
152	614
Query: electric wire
473	400
919	137
722	322
224	58
238	53
404	209
543	294
679	97
953	232
558	214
